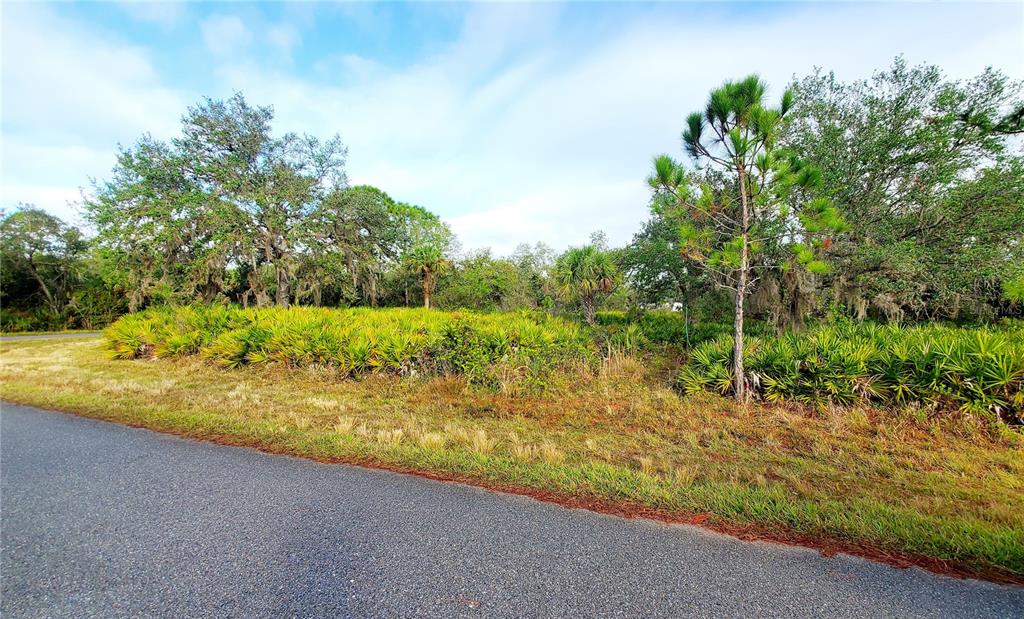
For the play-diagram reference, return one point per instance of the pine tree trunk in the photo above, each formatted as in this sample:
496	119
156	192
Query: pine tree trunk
739	382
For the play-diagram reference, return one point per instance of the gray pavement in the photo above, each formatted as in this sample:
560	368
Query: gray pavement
101	520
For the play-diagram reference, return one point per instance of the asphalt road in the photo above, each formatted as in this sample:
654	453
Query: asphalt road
100	520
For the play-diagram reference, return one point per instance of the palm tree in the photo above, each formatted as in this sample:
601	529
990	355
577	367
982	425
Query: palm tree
427	262
583	273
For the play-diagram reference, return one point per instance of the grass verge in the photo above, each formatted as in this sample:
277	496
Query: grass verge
64	332
943	493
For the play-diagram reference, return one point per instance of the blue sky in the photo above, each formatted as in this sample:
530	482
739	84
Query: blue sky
515	122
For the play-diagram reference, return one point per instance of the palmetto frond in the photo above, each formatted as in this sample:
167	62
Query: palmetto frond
585	270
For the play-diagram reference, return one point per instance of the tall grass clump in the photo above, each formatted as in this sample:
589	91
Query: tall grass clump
975	370
497	350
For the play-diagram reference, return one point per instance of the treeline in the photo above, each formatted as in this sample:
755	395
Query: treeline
897	198
908	203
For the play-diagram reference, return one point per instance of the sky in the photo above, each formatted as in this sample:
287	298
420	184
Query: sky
515	122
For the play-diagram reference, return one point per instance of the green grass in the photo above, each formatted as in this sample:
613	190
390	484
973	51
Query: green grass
895	481
16	333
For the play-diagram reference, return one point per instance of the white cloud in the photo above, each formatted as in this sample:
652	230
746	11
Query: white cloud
163	14
31	169
527	127
560	215
346	67
61	79
283	38
225	35
70	94
59	200
514	138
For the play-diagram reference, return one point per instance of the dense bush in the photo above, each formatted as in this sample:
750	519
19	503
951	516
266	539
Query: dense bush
497	350
24	320
666	327
979	370
85	312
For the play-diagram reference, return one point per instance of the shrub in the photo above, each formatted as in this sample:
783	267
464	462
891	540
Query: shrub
978	370
12	321
90	307
666	327
489	349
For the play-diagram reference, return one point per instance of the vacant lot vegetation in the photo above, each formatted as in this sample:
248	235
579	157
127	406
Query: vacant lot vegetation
897	480
934	369
512	351
978	371
639	329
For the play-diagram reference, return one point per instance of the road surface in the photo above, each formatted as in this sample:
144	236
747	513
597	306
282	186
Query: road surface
100	520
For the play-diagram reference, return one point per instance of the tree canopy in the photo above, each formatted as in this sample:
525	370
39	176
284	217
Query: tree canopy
228	211
928	182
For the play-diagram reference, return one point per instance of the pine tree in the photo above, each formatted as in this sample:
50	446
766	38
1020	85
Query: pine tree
753	195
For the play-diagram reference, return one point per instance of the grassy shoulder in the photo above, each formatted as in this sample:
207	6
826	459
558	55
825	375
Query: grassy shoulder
63	332
898	484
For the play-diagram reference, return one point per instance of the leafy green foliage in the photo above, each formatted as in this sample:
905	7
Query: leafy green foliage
508	351
481	281
427	261
931	188
39	254
175	214
48	281
672	328
896	198
657	272
977	371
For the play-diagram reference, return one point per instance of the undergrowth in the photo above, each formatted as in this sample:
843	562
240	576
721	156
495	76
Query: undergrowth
513	351
642	329
978	371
